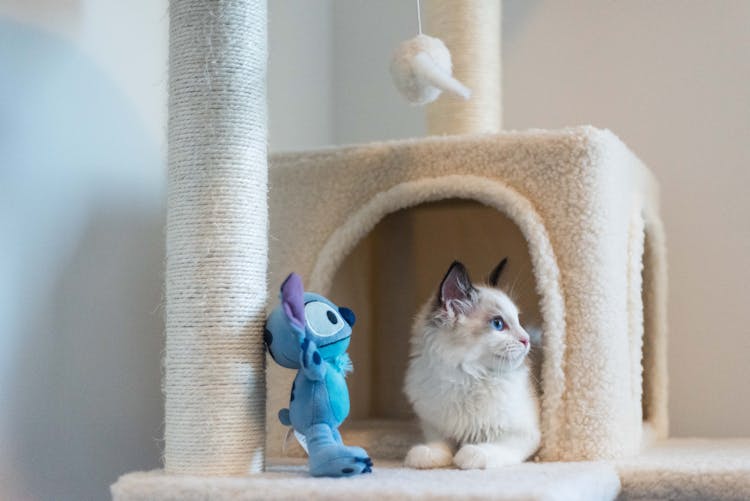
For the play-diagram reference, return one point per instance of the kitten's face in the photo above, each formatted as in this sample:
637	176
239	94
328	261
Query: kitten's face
476	327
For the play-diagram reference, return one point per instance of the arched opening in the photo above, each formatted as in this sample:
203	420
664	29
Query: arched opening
397	267
646	319
646	293
654	383
388	258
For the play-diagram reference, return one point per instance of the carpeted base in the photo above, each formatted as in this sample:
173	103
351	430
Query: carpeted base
684	469
527	482
689	469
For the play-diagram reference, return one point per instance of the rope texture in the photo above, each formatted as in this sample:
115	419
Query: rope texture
217	224
471	31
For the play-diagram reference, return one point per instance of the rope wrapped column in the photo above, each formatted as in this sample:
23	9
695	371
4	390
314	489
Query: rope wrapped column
217	224
471	31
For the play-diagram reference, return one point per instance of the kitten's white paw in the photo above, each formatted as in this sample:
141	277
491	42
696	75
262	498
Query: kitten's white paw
471	457
432	455
482	456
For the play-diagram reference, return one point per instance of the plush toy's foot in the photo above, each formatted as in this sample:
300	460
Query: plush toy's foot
339	461
330	458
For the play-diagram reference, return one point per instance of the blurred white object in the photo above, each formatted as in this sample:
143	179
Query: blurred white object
422	69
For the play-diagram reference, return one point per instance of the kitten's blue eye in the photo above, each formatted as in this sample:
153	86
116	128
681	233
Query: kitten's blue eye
497	323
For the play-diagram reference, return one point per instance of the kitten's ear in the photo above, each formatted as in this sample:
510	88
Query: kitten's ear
456	292
495	275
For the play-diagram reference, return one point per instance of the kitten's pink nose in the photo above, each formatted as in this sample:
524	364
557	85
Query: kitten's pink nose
524	340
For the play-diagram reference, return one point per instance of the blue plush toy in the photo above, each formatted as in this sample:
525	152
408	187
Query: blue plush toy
310	333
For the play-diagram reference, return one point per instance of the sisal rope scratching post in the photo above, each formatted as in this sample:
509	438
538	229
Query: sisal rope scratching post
217	221
471	31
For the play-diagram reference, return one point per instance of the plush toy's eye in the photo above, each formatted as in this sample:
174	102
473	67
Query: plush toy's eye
322	319
497	323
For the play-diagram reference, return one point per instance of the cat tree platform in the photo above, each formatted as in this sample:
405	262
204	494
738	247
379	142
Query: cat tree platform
527	482
685	469
688	469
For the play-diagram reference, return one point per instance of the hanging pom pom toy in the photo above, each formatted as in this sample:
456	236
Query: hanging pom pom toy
422	69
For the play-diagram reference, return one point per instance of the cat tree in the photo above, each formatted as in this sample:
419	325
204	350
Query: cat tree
585	207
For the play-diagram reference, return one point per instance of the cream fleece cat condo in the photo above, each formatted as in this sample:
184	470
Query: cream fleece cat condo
585	232
584	208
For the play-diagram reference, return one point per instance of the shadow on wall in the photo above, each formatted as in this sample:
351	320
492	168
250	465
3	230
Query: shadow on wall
81	261
87	404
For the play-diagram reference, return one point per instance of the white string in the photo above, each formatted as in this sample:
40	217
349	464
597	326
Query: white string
419	17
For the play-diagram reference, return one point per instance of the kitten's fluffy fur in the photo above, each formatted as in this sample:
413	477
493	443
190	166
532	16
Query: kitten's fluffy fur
469	382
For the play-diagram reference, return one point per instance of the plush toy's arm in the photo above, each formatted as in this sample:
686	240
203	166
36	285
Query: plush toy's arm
311	362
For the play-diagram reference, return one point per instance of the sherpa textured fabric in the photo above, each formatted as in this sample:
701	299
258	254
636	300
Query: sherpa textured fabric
689	469
587	208
525	482
684	469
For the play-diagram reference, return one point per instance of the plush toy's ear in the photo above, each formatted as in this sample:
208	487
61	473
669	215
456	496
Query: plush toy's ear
292	299
348	315
456	292
495	275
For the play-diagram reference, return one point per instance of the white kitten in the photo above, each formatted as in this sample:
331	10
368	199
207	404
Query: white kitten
468	380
